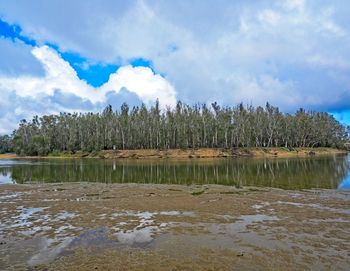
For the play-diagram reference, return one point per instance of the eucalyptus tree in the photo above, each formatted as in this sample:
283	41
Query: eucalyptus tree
184	126
5	144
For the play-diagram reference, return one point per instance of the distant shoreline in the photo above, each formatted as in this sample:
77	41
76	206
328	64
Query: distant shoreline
190	153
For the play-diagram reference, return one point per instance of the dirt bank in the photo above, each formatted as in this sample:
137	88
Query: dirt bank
8	156
217	153
172	227
194	153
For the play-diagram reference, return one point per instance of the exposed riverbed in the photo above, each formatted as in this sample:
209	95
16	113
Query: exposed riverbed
89	226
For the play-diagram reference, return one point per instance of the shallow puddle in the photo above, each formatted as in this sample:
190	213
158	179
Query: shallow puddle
45	228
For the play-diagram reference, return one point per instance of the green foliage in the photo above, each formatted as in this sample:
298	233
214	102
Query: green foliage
182	127
56	153
5	144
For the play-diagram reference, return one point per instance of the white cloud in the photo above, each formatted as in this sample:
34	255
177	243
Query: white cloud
328	62
144	83
292	53
59	89
294	4
60	76
270	17
16	58
8	123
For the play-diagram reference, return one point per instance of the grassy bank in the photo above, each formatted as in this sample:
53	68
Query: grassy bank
191	153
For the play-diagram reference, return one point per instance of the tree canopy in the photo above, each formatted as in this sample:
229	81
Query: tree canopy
185	126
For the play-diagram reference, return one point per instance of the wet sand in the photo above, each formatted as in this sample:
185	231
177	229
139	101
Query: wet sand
172	227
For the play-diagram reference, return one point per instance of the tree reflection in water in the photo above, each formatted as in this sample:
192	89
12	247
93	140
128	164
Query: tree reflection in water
295	173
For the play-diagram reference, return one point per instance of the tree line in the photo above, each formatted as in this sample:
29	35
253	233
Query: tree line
184	126
5	144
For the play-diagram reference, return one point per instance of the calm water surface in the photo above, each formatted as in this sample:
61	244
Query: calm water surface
331	172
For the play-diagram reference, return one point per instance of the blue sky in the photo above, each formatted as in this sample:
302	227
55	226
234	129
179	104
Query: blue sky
80	55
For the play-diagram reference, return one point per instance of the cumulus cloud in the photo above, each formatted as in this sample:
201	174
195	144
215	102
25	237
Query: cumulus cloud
144	83
16	58
60	89
60	76
292	53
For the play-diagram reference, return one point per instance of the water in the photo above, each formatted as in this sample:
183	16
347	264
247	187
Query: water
331	172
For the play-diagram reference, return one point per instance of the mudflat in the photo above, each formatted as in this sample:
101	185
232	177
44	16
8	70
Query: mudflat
85	226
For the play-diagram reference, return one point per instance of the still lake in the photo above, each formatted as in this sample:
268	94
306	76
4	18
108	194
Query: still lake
328	172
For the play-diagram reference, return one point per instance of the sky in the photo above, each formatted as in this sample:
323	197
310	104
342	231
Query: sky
79	56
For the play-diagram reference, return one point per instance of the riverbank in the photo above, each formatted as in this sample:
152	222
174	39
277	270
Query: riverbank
85	226
191	153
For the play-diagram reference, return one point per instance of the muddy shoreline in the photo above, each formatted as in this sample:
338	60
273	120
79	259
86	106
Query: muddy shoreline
90	226
190	153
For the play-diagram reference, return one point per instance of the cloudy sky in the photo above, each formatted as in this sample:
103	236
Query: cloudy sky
81	55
